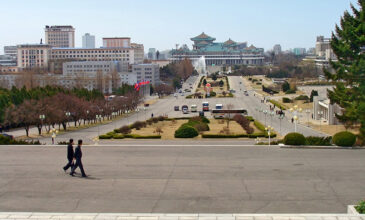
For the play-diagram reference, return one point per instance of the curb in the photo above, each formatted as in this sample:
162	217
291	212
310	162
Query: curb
323	147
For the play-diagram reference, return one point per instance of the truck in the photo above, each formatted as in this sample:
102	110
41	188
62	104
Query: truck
185	109
205	106
193	108
219	106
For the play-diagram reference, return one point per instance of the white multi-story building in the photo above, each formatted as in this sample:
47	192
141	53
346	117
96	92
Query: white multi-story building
138	52
33	55
88	41
11	51
60	36
93	67
125	54
147	72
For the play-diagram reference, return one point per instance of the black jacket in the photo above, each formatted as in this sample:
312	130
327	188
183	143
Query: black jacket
78	153
70	152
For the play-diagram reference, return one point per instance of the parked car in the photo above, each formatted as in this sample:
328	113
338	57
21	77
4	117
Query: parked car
176	108
185	109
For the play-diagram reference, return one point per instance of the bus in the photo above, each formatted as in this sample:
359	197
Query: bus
219	106
193	108
185	109
228	113
205	106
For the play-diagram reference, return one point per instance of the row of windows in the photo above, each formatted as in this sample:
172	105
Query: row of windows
75	56
89	51
87	66
32	51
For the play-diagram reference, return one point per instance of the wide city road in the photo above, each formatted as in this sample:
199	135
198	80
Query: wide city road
165	106
182	179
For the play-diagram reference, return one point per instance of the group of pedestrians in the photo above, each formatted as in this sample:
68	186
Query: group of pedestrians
74	156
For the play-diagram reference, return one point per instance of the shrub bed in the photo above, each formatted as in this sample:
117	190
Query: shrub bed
294	139
186	131
344	139
8	141
278	104
318	141
287	100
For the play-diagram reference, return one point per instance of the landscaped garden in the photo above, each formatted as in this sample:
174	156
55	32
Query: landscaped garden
195	127
217	85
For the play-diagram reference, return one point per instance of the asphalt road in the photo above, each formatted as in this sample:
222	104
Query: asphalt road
166	105
182	179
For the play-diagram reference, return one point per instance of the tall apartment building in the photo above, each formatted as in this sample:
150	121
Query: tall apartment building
33	55
147	72
116	42
88	41
60	36
277	49
322	44
138	52
151	53
11	51
299	51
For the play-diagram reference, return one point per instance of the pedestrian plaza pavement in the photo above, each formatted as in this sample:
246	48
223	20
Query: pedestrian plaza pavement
182	216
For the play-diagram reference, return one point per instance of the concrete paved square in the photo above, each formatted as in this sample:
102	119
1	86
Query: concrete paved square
182	179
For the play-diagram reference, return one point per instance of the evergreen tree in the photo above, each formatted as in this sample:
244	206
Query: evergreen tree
349	71
285	87
313	93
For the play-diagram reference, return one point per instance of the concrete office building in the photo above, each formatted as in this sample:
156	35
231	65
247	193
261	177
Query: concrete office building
93	67
33	55
11	51
60	36
147	72
94	54
299	51
138	52
88	41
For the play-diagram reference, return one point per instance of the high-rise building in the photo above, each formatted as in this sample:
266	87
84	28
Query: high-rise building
322	44
299	51
33	55
151	54
277	49
88	41
60	36
116	42
11	51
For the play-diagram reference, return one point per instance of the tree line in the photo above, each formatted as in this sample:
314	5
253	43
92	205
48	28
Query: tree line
51	106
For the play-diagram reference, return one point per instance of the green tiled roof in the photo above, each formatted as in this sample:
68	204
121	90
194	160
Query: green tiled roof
202	37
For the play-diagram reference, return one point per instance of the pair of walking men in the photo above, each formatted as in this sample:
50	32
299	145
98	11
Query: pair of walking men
71	155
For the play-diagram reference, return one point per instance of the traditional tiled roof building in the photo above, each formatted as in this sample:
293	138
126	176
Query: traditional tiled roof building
220	53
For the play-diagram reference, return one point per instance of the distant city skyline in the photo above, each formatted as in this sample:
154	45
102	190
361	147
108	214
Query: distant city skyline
161	24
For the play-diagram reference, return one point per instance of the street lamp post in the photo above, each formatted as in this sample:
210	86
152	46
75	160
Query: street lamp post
295	110
281	116
41	117
98	118
269	129
320	113
68	114
307	112
265	113
272	113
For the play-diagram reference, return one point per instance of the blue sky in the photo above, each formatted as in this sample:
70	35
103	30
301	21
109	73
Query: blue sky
163	23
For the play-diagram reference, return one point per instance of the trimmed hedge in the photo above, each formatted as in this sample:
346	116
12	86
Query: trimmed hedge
344	139
259	126
134	136
287	100
318	141
254	135
7	141
294	139
277	104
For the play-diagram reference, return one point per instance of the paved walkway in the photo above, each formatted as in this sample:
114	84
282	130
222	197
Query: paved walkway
148	216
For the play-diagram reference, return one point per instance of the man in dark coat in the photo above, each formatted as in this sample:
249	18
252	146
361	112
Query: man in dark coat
78	156
70	155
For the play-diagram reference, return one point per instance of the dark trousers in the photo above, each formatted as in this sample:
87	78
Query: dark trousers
69	164
78	164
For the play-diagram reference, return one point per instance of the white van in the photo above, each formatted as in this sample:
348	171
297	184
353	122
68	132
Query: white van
194	108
